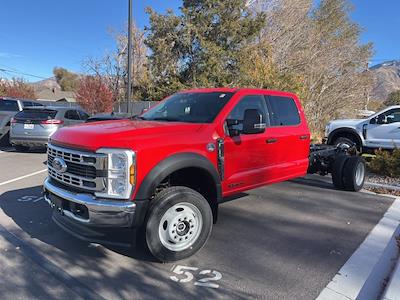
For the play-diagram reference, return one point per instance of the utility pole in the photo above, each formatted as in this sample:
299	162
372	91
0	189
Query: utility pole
129	84
367	90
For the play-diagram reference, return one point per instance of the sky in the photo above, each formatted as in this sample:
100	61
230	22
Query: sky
36	36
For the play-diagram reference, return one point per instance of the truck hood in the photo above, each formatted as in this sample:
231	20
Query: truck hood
347	122
121	134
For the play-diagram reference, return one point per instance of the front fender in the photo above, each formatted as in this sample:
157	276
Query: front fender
174	163
345	130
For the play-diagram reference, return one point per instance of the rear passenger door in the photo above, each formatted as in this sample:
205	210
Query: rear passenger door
291	136
72	117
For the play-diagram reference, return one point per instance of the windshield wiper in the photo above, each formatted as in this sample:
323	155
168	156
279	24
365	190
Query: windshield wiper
137	118
165	119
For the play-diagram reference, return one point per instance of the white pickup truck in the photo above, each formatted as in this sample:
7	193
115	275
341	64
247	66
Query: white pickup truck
381	130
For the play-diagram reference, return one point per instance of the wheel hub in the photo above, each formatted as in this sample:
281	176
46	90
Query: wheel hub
180	226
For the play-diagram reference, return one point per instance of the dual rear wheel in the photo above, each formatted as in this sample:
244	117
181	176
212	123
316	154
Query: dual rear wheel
348	173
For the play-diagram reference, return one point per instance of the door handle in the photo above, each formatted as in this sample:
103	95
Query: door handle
303	137
271	141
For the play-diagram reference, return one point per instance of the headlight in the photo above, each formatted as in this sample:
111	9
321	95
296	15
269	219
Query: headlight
121	173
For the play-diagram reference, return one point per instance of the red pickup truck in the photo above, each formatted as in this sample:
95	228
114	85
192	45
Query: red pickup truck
162	174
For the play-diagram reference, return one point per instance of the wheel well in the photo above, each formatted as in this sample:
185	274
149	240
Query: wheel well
197	179
346	134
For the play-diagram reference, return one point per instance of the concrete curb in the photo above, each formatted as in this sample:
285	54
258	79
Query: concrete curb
393	289
363	275
384	186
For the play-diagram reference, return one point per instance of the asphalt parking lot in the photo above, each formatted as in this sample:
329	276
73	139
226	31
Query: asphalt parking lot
285	241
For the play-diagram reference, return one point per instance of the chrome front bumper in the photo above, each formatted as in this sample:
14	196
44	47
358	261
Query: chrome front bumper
101	212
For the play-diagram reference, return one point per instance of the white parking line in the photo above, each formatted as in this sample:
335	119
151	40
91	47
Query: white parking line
6	150
22	177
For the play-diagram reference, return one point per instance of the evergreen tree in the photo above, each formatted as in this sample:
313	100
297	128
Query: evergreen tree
202	47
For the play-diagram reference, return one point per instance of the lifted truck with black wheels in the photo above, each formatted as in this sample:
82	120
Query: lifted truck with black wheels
165	172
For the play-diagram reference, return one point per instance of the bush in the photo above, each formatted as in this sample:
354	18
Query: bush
386	163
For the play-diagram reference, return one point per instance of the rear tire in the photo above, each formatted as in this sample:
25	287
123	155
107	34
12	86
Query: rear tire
20	148
354	173
337	171
178	224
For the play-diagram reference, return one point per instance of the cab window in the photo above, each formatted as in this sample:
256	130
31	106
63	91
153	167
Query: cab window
284	111
249	102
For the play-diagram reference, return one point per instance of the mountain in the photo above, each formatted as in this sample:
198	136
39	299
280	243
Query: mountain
387	79
49	89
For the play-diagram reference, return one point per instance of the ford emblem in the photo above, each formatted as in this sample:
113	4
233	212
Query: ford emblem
59	165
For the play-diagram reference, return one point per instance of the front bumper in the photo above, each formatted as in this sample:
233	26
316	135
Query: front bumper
85	209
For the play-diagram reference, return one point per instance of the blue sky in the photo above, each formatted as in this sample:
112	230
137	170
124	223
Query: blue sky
37	35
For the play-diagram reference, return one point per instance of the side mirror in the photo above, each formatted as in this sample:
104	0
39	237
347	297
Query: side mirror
253	122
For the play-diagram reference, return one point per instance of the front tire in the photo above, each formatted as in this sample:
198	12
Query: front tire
178	224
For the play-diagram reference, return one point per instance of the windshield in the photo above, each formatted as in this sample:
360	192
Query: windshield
189	107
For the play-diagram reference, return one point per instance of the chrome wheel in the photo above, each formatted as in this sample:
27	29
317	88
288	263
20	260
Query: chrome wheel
360	174
180	226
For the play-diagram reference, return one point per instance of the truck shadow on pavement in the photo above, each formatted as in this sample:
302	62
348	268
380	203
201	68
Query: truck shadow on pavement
122	273
286	238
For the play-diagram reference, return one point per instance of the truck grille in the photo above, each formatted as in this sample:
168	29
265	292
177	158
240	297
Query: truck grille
84	170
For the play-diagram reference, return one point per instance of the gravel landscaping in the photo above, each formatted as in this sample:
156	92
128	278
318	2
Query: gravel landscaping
374	178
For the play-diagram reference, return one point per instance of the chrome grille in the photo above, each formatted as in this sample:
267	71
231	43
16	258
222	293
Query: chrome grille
85	170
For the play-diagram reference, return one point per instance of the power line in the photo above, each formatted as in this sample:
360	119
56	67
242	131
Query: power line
21	73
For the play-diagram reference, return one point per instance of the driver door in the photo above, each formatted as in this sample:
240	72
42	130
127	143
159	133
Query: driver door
247	156
384	130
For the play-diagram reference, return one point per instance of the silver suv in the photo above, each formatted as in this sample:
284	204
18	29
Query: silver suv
33	126
8	108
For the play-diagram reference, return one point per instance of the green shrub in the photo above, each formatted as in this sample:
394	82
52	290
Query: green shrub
386	163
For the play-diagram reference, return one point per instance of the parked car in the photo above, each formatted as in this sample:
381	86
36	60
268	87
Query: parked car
8	108
165	172
33	126
381	130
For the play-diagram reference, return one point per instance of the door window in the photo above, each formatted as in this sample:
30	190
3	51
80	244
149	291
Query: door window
72	115
83	116
284	111
249	102
8	105
389	117
27	104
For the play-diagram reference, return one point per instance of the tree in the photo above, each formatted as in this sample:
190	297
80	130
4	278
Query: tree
16	88
67	80
94	95
319	47
201	47
393	99
113	65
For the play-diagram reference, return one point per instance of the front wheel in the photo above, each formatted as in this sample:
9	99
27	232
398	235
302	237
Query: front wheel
178	224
